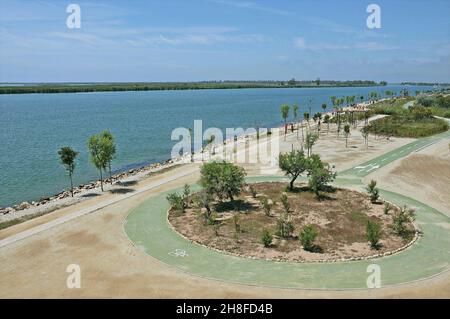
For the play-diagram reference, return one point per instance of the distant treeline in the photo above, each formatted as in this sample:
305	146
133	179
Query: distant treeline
425	83
111	87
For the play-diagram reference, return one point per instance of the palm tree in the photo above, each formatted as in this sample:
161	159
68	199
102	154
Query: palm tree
324	107
67	158
284	114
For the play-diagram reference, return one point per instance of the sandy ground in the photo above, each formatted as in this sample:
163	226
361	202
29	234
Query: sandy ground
423	175
112	267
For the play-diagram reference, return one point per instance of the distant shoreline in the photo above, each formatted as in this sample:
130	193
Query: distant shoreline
28	88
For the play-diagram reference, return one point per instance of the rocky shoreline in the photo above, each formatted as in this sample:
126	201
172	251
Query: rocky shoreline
84	189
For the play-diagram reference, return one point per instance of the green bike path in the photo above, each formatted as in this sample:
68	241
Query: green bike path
148	229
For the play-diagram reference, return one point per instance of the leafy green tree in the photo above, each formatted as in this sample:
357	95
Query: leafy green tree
346	133
307	237
320	175
98	155
324	107
373	191
266	238
67	158
373	233
222	179
284	109
310	140
109	148
293	164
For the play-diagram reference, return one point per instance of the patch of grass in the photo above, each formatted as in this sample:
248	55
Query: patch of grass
407	126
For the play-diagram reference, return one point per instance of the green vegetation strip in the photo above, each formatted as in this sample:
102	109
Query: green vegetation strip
154	86
149	230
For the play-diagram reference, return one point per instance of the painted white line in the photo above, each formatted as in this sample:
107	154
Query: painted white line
58	221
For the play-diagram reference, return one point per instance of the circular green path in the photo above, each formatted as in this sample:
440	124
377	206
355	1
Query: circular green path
148	229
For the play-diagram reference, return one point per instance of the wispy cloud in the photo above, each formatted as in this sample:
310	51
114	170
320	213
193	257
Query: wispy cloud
252	6
300	43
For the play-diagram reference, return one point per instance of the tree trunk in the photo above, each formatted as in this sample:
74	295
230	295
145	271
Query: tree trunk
101	179
71	184
110	176
230	196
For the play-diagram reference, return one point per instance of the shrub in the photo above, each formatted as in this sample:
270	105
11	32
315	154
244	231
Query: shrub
400	220
237	223
267	207
253	191
373	191
387	208
307	236
285	203
266	238
285	228
373	233
176	201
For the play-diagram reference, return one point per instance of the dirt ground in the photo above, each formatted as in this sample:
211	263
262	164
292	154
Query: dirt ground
424	175
340	219
111	267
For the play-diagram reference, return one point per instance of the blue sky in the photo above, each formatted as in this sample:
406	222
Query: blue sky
194	40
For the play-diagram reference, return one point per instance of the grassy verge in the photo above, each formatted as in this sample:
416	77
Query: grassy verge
407	126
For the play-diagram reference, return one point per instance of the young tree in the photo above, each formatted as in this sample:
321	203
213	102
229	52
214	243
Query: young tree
365	134
109	147
222	179
98	155
346	133
373	233
307	237
284	109
310	141
326	120
306	118
204	200
400	219
286	204
284	227
320	174
293	164
373	191
67	158
266	238
267	206
324	107
295	111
